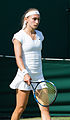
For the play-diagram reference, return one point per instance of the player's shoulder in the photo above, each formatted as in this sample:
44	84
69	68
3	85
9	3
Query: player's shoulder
19	32
40	34
19	36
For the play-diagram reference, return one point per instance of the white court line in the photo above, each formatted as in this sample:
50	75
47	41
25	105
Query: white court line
7	56
55	59
50	59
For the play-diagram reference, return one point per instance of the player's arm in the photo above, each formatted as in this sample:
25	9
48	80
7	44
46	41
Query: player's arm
19	60
18	54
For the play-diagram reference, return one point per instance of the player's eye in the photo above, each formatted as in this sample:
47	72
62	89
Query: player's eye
36	19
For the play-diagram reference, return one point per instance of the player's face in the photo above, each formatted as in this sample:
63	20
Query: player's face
33	21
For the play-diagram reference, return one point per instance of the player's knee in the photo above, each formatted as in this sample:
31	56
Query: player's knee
20	110
44	109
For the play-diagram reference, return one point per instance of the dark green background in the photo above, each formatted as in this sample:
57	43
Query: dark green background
55	25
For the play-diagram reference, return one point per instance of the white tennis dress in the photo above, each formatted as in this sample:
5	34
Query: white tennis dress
31	55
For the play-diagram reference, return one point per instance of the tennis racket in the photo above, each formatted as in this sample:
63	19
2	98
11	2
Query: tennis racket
44	92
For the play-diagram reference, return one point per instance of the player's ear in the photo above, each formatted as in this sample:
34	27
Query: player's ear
26	19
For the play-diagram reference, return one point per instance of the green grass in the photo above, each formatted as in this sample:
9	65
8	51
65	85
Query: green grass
53	118
60	118
31	119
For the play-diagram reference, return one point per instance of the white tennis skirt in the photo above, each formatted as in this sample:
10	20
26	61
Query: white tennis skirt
18	82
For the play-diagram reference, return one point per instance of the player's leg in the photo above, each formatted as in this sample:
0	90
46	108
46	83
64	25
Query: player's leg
21	102
44	113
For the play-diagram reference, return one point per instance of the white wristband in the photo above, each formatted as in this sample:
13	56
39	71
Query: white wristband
24	71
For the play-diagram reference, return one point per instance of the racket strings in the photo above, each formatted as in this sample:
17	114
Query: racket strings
45	96
42	96
51	92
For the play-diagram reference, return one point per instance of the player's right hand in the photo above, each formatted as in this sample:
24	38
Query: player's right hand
27	78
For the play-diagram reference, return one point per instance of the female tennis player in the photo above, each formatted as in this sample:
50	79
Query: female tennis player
27	47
